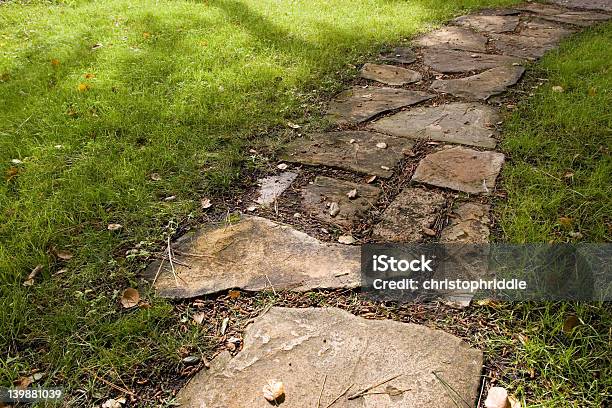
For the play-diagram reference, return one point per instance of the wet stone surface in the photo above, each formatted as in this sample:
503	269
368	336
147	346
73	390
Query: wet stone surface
481	86
272	187
400	55
457	61
359	104
301	347
390	74
469	223
462	123
410	213
490	24
349	150
453	37
318	196
461	169
254	254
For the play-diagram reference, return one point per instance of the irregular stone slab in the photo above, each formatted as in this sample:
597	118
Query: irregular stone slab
498	12
481	86
453	37
463	123
461	169
254	254
400	55
490	24
390	74
299	347
469	224
359	104
272	187
563	15
350	150
534	40
605	5
317	197
458	61
412	211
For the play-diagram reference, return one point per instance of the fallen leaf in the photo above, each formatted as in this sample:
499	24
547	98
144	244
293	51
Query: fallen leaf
16	161
371	179
497	398
224	324
570	323
282	166
30	279
334	209
89	76
11	173
64	255
129	298
565	221
381	145
592	91
385	168
23	382
514	403
293	125
170	198
146	35
191	360
155	177
352	141
234	294
96	46
251	208
114	227
352	194
429	231
55	62
205	203
346	239
111	403
273	391
558	89
82	87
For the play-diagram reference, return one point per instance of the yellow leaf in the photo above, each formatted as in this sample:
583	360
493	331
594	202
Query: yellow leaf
11	173
55	62
146	35
82	87
565	221
89	76
234	294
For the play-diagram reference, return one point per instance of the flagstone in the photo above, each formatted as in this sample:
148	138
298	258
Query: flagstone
462	123
455	38
469	223
359	104
489	23
563	15
318	196
533	41
349	150
461	169
481	86
272	187
400	55
317	353
253	254
605	5
411	212
390	74
457	61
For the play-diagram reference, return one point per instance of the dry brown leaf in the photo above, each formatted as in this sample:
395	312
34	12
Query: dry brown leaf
565	221
371	179
352	194
155	177
205	203
64	255
23	382
334	209
30	279
55	62
346	239
82	87
199	317
114	227
233	294
429	231
497	398
282	166
89	75
146	35
129	298
11	173
570	323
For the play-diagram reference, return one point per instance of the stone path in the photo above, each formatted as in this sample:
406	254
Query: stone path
412	159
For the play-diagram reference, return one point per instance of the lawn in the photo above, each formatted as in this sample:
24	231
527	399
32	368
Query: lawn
110	108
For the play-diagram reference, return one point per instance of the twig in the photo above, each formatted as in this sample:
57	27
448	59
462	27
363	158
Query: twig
161	263
272	286
176	261
340	396
110	384
360	393
176	277
321	393
484	380
449	387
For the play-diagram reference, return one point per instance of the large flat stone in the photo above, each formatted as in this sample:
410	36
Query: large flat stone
460	169
453	37
302	347
469	224
400	55
533	41
563	15
349	150
359	104
490	24
463	123
254	254
390	74
481	86
457	61
317	197
272	187
412	211
605	5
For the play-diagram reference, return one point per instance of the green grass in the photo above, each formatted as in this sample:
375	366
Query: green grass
559	185
95	96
